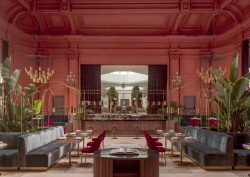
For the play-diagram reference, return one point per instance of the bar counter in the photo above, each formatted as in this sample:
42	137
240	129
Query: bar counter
122	127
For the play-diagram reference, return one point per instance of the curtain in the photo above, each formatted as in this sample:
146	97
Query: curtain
5	50
245	57
157	83
91	86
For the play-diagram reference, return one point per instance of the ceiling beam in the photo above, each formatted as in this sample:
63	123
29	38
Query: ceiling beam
225	3
24	4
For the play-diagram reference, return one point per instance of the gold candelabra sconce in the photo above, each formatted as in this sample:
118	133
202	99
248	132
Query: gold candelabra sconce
39	76
207	77
176	80
71	79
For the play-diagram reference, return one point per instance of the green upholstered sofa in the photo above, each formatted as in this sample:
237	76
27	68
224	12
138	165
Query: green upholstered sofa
211	150
40	150
9	159
241	155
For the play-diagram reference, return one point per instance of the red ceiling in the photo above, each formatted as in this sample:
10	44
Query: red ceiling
125	17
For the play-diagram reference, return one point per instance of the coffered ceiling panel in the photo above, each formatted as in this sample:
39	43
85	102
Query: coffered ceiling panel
125	17
126	21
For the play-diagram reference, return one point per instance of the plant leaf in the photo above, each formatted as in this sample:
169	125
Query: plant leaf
37	105
234	68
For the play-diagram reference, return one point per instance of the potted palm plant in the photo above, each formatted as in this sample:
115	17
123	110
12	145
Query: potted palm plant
231	98
112	93
113	96
136	96
17	104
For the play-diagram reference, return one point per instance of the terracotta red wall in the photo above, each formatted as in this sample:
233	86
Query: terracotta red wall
180	58
20	45
182	54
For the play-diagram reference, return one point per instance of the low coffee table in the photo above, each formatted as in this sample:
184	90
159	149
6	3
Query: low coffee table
71	140
167	136
181	140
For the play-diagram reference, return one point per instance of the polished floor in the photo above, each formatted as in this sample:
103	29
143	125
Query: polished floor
172	169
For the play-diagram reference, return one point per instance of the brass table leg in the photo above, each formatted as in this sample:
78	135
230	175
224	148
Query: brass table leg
70	155
165	142
180	153
78	149
172	149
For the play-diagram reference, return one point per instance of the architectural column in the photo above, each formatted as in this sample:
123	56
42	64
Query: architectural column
73	66
175	68
205	64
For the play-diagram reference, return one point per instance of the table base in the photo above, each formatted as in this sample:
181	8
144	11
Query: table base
68	164
85	164
136	138
75	155
173	155
182	163
168	149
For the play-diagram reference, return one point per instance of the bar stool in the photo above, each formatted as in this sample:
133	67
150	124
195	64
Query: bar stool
137	129
114	130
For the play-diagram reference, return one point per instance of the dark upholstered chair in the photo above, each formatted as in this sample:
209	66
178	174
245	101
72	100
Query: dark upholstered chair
94	145
241	156
155	145
212	150
40	150
9	156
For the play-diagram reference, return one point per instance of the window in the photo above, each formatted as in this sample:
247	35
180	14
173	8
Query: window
189	104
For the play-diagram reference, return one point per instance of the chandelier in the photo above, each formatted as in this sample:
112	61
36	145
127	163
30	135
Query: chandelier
207	77
71	79
39	76
176	80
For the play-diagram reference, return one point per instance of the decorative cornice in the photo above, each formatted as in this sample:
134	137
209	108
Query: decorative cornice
205	54
174	55
73	54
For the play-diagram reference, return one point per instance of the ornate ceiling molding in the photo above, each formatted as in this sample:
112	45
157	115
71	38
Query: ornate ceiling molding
24	4
182	17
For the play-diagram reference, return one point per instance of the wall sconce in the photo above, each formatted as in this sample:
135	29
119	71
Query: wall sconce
71	79
176	80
